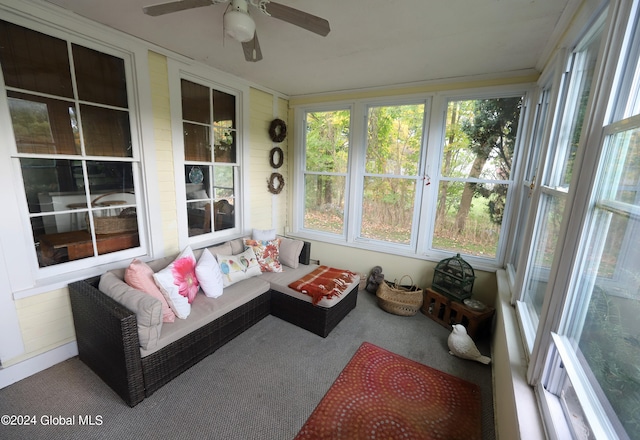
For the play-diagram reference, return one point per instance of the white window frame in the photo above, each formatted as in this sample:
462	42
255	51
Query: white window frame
552	352
433	139
548	185
25	277
225	83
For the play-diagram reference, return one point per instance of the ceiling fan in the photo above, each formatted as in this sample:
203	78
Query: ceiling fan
239	25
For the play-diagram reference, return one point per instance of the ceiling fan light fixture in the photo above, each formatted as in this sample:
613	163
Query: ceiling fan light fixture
239	25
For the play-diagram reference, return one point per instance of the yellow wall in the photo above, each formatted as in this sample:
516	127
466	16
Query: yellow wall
267	210
159	80
45	323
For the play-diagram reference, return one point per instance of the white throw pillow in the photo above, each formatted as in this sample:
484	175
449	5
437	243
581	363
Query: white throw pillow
209	275
178	283
264	234
238	267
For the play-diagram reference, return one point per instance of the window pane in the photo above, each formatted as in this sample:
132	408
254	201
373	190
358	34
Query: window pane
197	183
388	207
34	61
327	141
42	125
324	203
106	132
472	231
583	67
197	146
224	145
223	186
480	138
545	240
100	77
108	176
394	139
46	178
225	197
195	102
224	109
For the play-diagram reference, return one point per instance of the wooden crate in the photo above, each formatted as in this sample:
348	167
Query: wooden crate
447	312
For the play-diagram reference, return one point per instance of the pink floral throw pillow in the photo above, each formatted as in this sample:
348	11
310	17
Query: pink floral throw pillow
178	283
184	276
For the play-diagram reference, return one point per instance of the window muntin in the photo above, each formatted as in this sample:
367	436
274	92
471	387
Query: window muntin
475	174
210	158
73	197
327	150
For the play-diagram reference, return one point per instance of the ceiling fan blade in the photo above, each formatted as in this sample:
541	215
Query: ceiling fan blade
252	49
167	8
299	18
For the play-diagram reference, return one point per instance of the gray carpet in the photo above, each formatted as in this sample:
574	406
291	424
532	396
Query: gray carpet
262	385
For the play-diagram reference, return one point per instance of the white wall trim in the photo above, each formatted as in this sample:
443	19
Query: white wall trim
515	402
31	366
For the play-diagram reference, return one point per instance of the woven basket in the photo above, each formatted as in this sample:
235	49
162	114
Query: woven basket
125	221
399	300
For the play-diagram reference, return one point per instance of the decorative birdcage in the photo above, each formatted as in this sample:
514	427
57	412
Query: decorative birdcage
454	278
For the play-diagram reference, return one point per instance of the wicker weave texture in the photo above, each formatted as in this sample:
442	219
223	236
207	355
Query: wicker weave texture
107	338
399	300
316	319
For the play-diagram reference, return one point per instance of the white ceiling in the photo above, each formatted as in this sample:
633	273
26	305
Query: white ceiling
372	43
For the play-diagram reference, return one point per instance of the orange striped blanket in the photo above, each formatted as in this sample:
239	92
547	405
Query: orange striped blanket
324	282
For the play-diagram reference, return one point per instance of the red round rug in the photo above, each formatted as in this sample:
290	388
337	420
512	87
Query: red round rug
382	395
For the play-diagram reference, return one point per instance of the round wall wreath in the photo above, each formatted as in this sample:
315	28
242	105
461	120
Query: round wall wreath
272	157
271	183
278	130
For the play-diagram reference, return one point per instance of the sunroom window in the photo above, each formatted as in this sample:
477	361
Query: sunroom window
475	174
327	149
586	353
72	125
391	178
210	136
554	180
376	174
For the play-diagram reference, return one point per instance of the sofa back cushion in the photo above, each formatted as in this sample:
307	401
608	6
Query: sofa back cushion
290	250
148	309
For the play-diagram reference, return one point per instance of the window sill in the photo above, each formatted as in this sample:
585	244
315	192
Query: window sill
483	264
515	400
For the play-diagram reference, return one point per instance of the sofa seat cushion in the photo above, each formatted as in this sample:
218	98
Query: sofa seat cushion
280	282
205	310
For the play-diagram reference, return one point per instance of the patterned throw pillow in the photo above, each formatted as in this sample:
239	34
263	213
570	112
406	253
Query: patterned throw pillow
267	253
238	267
178	283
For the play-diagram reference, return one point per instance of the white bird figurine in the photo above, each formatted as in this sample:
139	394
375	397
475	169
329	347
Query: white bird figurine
461	345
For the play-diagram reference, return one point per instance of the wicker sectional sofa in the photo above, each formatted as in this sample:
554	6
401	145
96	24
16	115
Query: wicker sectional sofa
107	332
